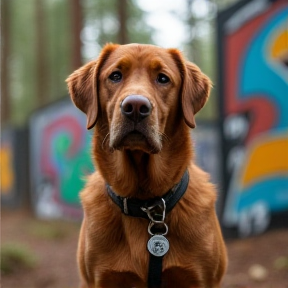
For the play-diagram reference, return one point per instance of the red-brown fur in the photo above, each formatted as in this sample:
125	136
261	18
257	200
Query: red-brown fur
112	247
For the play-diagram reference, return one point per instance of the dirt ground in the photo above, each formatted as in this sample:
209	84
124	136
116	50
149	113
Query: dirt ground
258	262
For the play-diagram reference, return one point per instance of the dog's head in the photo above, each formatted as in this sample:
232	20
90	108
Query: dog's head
137	93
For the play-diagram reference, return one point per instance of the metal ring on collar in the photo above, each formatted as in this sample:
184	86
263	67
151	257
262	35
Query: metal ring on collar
148	210
151	224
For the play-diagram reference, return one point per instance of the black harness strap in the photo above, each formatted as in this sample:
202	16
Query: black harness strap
149	209
155	271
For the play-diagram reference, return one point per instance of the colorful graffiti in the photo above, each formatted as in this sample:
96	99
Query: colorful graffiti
255	113
13	166
60	157
7	176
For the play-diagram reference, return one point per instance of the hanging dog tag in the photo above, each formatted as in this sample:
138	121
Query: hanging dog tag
158	245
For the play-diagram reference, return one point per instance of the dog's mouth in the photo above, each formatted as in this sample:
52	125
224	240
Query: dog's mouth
135	135
133	140
137	139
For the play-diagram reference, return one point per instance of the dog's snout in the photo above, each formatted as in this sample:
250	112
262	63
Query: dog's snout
136	107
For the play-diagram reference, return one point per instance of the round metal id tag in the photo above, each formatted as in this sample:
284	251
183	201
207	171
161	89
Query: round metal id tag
158	245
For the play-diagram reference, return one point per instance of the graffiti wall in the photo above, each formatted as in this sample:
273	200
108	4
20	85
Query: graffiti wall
59	159
13	166
6	164
253	69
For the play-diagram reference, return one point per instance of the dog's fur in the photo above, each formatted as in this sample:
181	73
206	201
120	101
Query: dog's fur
112	246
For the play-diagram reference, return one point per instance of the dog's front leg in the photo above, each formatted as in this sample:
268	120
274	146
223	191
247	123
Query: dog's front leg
86	281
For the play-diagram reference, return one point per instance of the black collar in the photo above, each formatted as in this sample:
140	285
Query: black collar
132	206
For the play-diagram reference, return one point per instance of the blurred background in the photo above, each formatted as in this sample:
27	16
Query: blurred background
241	137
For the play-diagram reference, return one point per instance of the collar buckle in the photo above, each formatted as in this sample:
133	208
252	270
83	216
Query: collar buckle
156	211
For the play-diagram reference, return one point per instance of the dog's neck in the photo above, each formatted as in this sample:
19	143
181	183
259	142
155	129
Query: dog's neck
141	175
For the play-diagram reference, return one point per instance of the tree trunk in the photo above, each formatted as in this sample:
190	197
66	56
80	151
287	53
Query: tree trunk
122	16
76	20
5	53
42	69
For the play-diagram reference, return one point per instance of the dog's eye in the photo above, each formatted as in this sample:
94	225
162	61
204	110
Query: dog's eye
115	76
163	79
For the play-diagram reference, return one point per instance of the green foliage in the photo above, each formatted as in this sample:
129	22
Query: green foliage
100	15
46	231
21	59
16	257
138	30
59	41
22	67
201	46
281	263
101	21
50	230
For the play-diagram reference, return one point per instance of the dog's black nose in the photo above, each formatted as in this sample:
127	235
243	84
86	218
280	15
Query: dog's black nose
136	107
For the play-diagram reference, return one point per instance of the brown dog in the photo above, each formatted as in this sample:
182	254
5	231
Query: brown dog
144	99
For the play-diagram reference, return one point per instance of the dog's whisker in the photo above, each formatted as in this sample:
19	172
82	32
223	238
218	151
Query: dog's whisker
103	127
104	140
164	136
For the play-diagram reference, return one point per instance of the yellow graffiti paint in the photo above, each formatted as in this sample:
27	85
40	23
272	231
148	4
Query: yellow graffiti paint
6	170
268	158
279	48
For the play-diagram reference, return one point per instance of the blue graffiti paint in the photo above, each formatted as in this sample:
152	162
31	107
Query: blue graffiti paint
258	76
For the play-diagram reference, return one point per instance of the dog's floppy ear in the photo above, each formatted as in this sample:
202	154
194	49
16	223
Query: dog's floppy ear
195	92
82	86
195	87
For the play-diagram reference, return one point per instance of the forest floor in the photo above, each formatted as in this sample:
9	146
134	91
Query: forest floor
41	254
